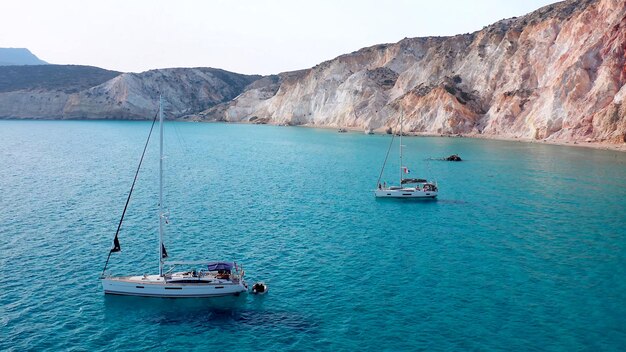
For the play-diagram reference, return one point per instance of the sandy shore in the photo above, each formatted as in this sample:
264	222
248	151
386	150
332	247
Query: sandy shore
595	145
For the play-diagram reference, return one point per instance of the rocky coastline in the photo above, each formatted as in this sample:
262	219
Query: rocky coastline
556	75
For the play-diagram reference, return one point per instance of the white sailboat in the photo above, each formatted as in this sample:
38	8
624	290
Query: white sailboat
408	187
206	279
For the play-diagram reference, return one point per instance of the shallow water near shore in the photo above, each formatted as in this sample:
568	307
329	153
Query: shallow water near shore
524	250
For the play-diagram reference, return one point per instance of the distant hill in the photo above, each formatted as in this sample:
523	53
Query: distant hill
18	56
85	92
65	78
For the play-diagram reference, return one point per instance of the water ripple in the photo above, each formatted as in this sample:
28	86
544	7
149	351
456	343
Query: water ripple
524	249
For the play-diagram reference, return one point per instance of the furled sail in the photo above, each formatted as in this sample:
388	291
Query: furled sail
116	242
413	180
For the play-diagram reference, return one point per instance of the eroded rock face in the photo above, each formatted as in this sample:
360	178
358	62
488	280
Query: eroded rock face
129	95
557	73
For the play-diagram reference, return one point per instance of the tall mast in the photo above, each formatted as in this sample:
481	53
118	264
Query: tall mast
160	186
401	117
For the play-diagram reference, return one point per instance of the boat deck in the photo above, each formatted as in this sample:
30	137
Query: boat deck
176	280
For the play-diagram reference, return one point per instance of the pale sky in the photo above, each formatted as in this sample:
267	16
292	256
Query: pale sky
247	36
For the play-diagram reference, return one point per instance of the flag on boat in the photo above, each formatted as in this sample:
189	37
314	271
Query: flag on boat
406	170
163	251
116	245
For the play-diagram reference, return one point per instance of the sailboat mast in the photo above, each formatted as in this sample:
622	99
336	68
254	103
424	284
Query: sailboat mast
161	186
401	117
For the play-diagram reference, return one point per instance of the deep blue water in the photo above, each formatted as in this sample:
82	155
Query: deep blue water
524	250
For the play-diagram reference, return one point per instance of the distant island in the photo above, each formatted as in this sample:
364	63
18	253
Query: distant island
18	56
557	74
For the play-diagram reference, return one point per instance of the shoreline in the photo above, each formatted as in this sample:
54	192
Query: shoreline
592	145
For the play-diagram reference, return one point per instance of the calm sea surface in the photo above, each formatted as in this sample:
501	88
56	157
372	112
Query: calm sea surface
524	250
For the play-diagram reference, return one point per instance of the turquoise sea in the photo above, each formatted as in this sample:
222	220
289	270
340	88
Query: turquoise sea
525	249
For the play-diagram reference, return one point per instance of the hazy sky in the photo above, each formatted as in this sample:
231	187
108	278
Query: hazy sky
242	36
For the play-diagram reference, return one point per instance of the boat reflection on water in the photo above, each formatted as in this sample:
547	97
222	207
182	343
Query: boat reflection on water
226	313
172	310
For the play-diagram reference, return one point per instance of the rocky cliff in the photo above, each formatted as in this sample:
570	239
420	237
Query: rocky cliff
557	73
82	92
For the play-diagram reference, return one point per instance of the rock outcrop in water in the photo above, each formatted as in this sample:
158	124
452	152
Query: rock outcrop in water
557	73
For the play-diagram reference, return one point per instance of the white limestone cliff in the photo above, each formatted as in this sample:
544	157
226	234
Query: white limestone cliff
557	73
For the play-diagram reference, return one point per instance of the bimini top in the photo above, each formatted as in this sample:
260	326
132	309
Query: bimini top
413	180
213	266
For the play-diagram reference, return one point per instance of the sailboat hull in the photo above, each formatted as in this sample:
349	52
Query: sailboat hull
154	286
405	193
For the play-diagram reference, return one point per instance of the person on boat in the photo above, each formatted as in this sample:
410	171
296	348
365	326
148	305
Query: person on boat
380	186
223	274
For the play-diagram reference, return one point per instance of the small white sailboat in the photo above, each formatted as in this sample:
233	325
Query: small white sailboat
206	279
408	187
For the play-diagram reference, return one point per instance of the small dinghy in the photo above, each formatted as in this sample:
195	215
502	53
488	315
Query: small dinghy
259	288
